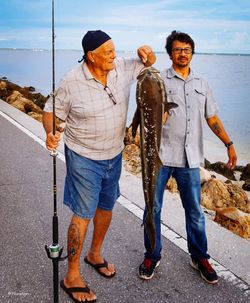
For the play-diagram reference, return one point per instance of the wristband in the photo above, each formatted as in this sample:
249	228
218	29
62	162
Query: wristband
229	144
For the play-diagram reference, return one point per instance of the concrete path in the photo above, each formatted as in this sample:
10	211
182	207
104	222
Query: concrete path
26	209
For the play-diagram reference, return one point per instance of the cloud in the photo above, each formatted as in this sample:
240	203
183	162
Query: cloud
215	25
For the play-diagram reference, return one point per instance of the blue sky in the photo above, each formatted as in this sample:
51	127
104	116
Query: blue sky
221	26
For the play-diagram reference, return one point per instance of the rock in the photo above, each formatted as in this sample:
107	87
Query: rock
3	85
7	88
29	103
131	154
205	175
129	139
206	163
239	168
216	194
38	117
30	88
221	168
246	173
172	185
234	220
246	185
17	100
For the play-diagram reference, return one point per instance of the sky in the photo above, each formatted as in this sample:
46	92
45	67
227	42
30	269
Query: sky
217	26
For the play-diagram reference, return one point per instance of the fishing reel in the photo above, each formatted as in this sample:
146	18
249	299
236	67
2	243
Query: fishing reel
55	252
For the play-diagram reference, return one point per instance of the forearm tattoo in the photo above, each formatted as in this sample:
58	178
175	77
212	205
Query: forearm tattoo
216	128
73	240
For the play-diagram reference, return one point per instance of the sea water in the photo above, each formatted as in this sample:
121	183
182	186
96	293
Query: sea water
227	75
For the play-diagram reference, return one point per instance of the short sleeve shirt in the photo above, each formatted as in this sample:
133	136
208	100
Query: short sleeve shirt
95	125
182	134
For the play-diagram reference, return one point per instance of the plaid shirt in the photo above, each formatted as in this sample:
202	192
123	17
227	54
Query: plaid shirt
95	115
182	135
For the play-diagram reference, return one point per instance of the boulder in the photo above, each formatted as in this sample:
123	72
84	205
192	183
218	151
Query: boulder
172	185
17	100
220	168
234	220
36	116
131	154
129	139
7	88
246	185
239	168
217	194
3	85
245	173
204	175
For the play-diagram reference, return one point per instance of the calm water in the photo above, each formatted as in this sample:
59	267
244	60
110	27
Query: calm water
228	75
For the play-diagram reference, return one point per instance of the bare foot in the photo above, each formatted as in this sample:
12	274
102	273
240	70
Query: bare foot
97	259
79	282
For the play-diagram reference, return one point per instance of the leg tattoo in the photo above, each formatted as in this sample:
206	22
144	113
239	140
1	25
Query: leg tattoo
73	241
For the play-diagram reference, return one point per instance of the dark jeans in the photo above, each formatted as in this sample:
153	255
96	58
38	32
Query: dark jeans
188	180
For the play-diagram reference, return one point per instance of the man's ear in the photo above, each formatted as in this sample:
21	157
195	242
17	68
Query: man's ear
90	57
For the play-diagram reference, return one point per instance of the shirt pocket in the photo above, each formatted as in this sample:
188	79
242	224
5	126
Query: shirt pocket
201	97
172	94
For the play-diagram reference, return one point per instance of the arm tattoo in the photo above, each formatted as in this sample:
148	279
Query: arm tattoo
216	128
73	241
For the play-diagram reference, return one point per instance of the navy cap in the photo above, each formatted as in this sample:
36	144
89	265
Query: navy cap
92	40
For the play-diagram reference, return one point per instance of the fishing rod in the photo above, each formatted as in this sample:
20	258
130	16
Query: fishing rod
54	251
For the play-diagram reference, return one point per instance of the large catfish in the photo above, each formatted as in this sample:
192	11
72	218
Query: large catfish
152	103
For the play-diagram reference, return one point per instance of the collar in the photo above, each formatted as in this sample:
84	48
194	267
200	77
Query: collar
171	73
89	76
86	71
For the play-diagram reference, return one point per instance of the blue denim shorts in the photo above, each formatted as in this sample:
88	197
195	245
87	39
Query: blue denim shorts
91	184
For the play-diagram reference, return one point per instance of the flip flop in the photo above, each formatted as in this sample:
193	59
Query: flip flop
71	290
98	266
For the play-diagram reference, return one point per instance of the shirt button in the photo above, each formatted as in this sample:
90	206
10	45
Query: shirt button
188	120
186	94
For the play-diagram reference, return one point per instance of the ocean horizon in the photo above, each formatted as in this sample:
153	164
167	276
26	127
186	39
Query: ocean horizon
227	75
119	51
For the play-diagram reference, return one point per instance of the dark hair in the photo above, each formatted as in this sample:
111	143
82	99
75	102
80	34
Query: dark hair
182	37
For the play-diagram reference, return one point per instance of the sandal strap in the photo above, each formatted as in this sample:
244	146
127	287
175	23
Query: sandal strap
78	289
101	265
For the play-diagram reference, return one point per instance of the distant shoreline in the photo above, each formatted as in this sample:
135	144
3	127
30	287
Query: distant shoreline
119	51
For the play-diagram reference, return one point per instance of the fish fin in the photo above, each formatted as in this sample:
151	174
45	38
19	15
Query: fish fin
164	117
158	162
135	122
169	105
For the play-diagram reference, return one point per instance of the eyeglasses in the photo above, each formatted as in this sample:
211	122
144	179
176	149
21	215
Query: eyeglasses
179	50
111	96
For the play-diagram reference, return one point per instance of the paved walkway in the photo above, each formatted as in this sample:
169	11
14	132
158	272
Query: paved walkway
26	209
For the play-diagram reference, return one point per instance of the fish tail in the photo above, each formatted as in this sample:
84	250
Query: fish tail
169	105
150	229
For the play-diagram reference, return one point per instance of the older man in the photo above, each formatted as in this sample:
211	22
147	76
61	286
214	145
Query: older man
93	101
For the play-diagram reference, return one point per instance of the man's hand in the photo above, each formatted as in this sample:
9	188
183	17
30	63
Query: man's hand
146	55
232	157
52	141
